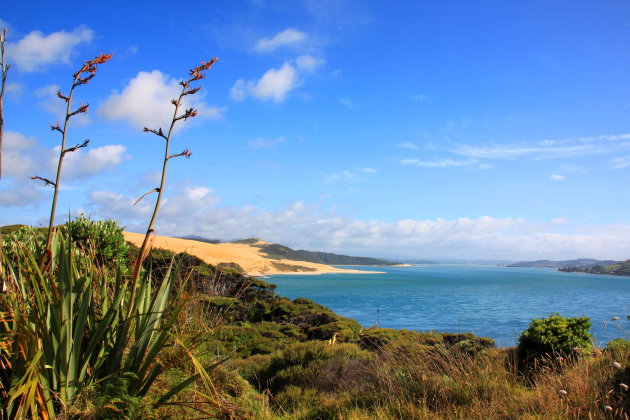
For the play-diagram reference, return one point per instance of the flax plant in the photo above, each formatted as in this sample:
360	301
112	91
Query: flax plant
65	331
4	68
196	73
80	77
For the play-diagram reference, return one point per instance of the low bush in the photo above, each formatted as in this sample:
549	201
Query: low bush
554	336
316	365
102	237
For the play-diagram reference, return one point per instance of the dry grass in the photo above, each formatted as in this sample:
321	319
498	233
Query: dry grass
414	383
409	384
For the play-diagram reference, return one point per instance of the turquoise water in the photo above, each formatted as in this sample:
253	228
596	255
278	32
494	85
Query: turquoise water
495	302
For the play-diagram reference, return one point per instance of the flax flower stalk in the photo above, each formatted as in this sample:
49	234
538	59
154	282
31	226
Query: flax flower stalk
80	77
4	68
194	74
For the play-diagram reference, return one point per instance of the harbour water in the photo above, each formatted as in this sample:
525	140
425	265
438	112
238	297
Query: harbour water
495	302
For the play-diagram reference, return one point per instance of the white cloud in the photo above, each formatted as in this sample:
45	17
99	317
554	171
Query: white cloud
14	90
265	143
4	24
276	84
301	226
19	161
423	97
346	102
84	163
19	192
621	162
308	63
18	155
146	102
290	37
57	107
557	177
36	50
23	156
350	176
408	145
442	163
550	149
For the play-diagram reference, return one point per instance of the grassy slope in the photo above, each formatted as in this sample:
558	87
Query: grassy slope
278	251
618	269
312	363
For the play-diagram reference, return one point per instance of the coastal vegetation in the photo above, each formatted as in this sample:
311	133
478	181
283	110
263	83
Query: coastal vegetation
235	349
580	263
92	327
277	251
616	269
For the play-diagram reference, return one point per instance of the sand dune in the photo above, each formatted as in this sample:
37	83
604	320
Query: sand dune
249	257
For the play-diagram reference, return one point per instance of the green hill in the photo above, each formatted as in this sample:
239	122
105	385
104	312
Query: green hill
617	268
336	259
281	252
578	263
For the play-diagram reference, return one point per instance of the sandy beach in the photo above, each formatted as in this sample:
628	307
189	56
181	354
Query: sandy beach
248	257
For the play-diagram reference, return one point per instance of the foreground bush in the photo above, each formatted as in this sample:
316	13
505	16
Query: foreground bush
554	336
102	237
65	331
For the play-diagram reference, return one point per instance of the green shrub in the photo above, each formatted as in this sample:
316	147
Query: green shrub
313	364
105	237
31	238
65	330
618	348
555	336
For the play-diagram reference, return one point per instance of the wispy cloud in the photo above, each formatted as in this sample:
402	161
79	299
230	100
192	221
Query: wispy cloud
408	145
36	50
557	177
621	162
57	107
350	176
549	149
24	157
304	226
421	97
440	163
346	102
290	37
265	142
14	90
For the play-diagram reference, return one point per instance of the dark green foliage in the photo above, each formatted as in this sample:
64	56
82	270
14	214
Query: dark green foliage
567	265
248	241
618	347
554	336
6	230
105	237
613	268
316	365
31	238
201	239
387	339
245	340
336	259
281	252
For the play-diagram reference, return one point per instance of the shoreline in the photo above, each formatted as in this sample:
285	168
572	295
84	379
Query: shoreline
249	258
314	273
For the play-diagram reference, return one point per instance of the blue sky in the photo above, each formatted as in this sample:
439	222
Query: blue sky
433	129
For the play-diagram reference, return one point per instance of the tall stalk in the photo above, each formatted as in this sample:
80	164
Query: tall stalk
195	74
4	69
80	77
